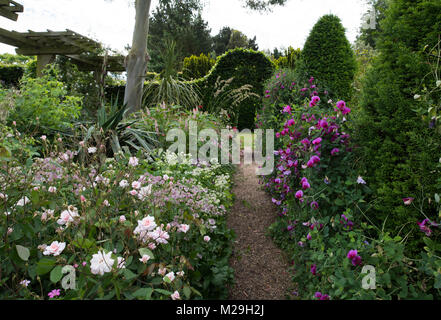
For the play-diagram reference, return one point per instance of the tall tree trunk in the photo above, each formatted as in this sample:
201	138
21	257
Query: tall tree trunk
136	61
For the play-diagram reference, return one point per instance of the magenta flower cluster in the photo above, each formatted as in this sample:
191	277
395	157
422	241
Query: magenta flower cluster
354	257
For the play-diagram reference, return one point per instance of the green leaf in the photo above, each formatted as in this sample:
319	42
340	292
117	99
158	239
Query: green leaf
145	293
187	292
164	292
45	265
145	251
23	252
56	274
129	275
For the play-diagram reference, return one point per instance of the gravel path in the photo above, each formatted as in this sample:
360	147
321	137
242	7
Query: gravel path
260	267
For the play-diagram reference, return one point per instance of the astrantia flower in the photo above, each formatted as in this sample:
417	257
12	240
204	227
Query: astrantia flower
101	263
133	161
124	183
55	248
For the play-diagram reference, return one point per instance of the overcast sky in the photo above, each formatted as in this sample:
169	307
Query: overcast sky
111	22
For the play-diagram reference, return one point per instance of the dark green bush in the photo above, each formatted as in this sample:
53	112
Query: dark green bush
327	56
246	67
399	150
10	75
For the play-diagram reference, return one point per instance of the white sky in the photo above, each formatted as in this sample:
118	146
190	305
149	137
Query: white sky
111	22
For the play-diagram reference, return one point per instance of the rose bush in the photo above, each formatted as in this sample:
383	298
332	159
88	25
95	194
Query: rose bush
128	228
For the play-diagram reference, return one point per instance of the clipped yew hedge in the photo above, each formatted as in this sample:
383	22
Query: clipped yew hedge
246	66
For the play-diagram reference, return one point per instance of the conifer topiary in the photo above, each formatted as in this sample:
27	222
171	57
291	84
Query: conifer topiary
327	56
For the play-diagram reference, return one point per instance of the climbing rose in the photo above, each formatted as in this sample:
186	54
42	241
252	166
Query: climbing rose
207	238
101	263
55	248
175	295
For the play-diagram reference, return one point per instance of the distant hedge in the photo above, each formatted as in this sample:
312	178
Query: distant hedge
10	75
245	66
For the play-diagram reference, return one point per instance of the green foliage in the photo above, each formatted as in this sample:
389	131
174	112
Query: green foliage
13	67
399	149
327	56
289	59
196	67
43	106
168	89
246	67
181	22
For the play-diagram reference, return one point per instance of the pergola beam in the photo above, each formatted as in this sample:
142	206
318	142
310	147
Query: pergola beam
9	9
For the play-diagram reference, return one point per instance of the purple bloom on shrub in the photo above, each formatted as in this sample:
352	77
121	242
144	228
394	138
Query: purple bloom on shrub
301	244
287	109
305	142
314	269
335	151
309	236
341	105
311	80
317	141
306	185
299	194
354	257
314	205
425	228
323	124
408	201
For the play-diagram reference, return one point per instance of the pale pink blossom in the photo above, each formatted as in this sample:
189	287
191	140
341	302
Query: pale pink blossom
55	248
175	296
207	238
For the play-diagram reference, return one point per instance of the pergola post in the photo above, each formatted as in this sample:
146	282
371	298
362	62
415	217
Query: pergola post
42	61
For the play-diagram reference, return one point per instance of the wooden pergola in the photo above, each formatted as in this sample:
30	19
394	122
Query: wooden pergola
9	9
83	51
46	45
